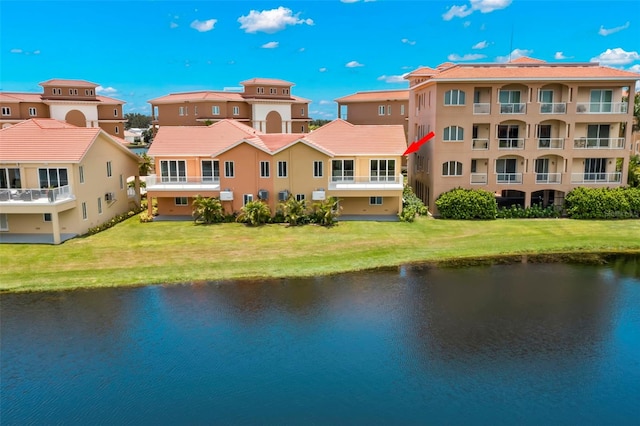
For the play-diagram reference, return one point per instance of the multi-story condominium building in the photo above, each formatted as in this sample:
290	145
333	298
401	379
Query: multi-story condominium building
376	107
57	180
527	130
265	104
73	101
359	165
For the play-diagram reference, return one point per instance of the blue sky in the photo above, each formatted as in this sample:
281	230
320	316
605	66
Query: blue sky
140	50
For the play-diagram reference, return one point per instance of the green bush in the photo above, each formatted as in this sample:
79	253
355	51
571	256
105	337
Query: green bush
534	212
467	204
113	221
603	203
325	213
254	213
411	205
294	211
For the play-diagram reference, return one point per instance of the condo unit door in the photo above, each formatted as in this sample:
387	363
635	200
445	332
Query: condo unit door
173	170
600	101
342	170
542	169
595	169
508	136
597	135
544	136
506	169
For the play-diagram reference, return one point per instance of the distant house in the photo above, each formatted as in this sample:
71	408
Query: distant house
265	104
360	165
57	180
73	101
376	107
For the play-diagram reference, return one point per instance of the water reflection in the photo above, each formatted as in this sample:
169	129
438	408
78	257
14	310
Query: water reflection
525	344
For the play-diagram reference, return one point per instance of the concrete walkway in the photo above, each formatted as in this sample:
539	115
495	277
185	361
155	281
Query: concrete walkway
33	238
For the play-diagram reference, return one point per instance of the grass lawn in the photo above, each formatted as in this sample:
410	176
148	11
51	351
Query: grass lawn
134	253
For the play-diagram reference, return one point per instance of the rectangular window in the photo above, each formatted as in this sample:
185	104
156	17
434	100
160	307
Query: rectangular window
115	112
33	112
247	198
382	170
282	169
109	171
6	111
195	110
215	110
53	178
375	201
10	178
380	109
173	171
299	197
81	174
342	170
260	90
56	91
474	166
401	109
182	201
388	109
99	205
285	91
210	170
84	211
4	222
273	90
46	217
264	169
229	169
236	110
600	101
317	169
87	92
302	111
181	111
121	182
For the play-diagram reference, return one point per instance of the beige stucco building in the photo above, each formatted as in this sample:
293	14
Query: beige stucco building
73	101
57	180
359	165
528	131
376	107
265	104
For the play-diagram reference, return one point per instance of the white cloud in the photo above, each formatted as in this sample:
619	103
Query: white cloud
302	49
407	41
616	56
392	78
559	55
270	45
106	90
635	68
349	1
605	32
203	26
484	6
467	57
481	45
173	25
517	53
323	69
353	64
270	21
36	52
325	102
16	51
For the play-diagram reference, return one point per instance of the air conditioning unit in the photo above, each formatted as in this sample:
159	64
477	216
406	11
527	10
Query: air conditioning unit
109	196
283	195
263	194
226	195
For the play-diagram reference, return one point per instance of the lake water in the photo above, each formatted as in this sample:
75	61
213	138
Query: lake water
525	344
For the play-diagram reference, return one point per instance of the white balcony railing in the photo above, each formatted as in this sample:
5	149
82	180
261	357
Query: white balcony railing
553	108
50	195
550	143
513	108
481	109
596	178
602	107
509	178
548	177
598	143
511	143
478	178
479	144
159	183
366	182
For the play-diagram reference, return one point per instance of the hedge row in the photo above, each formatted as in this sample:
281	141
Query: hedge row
603	203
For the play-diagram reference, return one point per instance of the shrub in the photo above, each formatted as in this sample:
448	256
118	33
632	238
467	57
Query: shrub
534	212
254	213
207	210
411	205
467	204
603	203
294	211
145	217
113	221
325	213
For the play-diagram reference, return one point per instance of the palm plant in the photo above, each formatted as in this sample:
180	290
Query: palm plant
145	165
254	213
294	211
207	210
634	171
326	212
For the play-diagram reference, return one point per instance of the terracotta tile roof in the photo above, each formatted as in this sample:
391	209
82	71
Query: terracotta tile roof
376	95
15	97
47	140
276	141
269	81
108	100
203	95
66	83
527	60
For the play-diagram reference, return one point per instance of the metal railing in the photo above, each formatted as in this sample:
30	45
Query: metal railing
612	177
511	143
548	177
602	107
182	180
513	108
553	108
479	144
598	143
550	143
509	178
478	178
366	179
47	195
481	109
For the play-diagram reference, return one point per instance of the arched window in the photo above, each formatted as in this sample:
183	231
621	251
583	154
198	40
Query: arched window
452	168
454	97
453	133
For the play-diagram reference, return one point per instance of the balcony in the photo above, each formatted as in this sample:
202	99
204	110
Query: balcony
182	183
547	178
598	143
355	183
550	143
481	109
596	178
511	144
509	178
553	108
602	107
479	144
478	178
36	195
513	108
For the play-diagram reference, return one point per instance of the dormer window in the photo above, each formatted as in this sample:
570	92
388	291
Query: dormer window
285	91
56	91
88	92
260	90
73	91
273	91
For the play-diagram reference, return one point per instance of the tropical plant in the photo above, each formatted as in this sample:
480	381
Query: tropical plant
411	205
326	212
633	178
145	165
254	213
207	210
294	211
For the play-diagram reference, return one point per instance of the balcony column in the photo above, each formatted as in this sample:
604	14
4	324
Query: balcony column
55	223
149	205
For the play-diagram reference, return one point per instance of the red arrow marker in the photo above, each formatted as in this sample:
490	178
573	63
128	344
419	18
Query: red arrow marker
415	146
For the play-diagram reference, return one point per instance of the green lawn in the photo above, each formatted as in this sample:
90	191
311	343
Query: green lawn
134	253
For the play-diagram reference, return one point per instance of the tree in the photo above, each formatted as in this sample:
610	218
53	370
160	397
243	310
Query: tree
314	124
146	165
137	120
636	113
254	213
207	210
